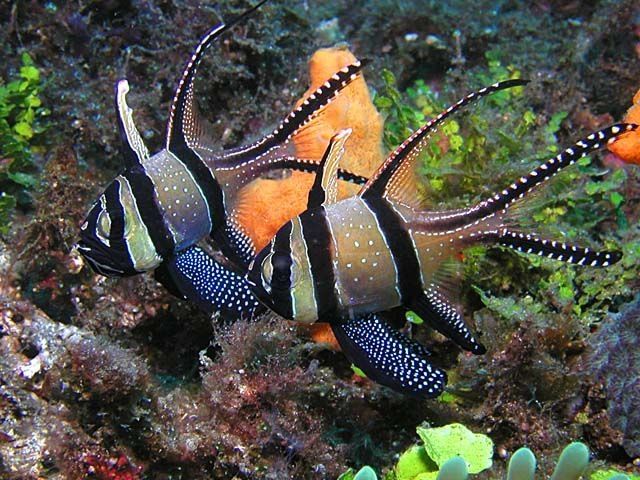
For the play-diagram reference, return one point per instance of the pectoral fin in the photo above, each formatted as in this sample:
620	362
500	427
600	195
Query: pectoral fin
388	357
196	276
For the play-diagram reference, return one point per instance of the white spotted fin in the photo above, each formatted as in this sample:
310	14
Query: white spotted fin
435	308
198	277
389	357
395	179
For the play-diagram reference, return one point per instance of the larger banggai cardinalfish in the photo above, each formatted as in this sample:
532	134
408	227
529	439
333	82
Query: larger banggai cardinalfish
341	261
160	206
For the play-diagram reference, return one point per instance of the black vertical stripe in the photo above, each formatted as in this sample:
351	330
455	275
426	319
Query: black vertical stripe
402	250
281	263
204	178
143	191
116	233
317	237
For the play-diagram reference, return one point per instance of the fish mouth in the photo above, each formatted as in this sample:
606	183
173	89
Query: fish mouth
102	262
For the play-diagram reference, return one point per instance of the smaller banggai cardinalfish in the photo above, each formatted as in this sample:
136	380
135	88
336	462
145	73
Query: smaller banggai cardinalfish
160	206
339	262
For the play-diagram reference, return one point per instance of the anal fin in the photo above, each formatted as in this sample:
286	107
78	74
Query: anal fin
435	309
388	357
196	276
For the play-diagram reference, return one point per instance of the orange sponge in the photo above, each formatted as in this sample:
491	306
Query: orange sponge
266	204
627	146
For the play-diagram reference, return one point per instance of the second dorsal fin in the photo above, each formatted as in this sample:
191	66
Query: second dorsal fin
325	187
186	127
394	178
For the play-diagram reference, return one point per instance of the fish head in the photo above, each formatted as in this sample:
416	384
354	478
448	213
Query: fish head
113	238
280	277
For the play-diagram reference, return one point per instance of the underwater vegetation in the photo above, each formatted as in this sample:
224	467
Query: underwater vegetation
22	124
298	410
452	452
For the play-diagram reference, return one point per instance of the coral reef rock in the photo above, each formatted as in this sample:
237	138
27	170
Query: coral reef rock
616	362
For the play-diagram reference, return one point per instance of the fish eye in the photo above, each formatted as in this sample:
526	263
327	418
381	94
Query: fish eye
281	267
276	271
104	224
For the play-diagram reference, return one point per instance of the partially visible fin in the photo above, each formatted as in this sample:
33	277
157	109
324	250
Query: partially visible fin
132	147
388	357
185	126
527	243
325	186
311	166
196	276
310	140
394	178
235	243
440	314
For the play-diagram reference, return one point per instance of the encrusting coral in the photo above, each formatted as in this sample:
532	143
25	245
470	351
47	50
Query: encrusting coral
452	452
615	361
627	147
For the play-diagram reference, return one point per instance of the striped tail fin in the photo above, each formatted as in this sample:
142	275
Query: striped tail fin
525	184
527	243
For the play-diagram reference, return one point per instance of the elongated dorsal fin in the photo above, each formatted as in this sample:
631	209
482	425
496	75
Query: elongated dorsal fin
133	148
185	124
325	187
394	178
302	119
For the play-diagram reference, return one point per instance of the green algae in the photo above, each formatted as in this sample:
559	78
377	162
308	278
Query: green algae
21	124
441	444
